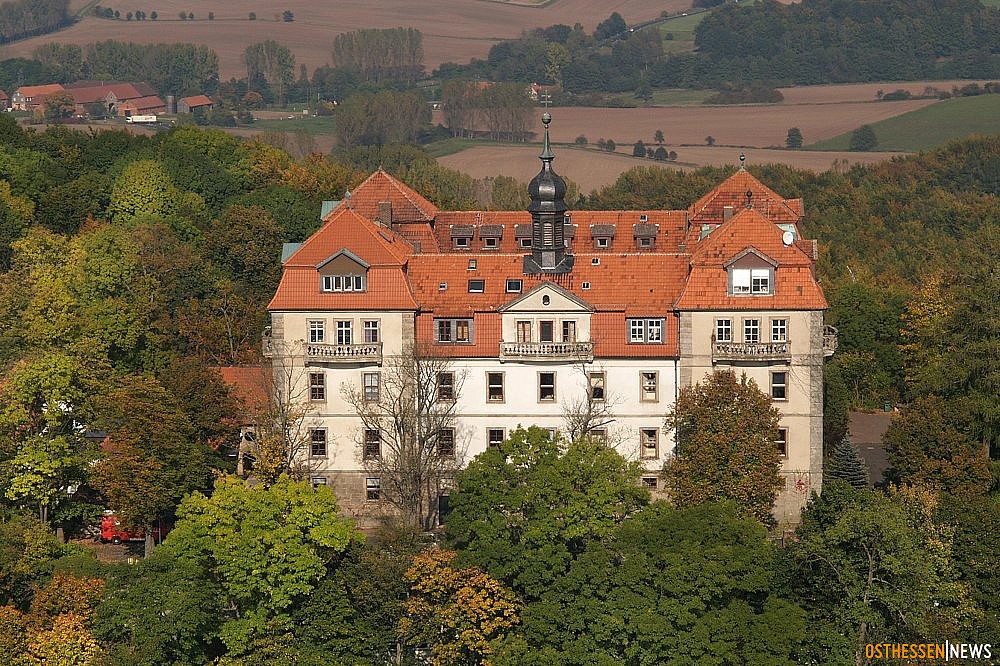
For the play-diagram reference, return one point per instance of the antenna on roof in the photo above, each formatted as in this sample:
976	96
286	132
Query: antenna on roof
743	162
749	198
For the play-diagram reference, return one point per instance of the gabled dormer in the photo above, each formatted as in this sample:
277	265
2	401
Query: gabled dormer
751	273
546	323
343	271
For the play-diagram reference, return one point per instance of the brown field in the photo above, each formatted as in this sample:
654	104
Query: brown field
861	92
454	30
592	169
759	126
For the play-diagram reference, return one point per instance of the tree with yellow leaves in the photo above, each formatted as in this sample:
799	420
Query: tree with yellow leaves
460	614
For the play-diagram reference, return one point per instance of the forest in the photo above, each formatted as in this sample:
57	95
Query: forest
133	264
25	18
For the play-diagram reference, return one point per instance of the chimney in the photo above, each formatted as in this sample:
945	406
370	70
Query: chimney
385	213
727	213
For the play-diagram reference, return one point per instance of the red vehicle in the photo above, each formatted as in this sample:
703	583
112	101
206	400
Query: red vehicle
113	531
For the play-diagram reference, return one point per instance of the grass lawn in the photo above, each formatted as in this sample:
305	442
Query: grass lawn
672	97
991	3
308	124
449	146
930	126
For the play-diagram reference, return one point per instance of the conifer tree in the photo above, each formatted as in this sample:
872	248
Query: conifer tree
846	464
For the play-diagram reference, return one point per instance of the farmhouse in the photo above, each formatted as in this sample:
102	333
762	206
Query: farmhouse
539	312
26	98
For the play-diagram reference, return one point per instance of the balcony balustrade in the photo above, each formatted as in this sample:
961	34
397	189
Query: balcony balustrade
751	351
541	351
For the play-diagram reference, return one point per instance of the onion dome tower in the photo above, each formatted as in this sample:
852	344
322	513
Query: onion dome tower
548	211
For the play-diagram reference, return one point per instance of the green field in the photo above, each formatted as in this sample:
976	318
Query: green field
308	124
930	126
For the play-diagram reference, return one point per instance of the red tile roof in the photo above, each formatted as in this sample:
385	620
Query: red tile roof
197	100
35	92
710	209
344	228
407	205
250	385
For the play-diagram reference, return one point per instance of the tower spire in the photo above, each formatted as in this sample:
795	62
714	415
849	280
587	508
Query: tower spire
548	210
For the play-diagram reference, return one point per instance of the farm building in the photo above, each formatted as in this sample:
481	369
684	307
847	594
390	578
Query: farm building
193	103
533	314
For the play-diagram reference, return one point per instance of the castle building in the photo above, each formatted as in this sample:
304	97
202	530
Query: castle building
543	311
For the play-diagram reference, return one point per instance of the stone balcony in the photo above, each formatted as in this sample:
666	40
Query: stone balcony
547	351
728	352
365	352
829	340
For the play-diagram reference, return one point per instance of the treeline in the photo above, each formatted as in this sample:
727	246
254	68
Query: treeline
26	18
824	41
501	110
380	55
827	41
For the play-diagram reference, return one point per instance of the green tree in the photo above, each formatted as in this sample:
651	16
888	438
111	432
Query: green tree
697	582
928	444
874	569
613	26
660	154
846	465
725	430
658	136
794	139
161	610
246	243
863	139
525	509
639	149
266	548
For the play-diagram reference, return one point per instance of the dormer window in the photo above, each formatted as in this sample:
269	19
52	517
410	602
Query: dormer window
602	235
461	236
343	283
460	242
751	274
751	281
602	243
645	235
491	235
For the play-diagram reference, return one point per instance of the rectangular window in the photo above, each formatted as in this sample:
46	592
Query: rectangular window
598	435
779	385
751	331
525	242
371	331
491	243
317	481
546	386
649	447
370	384
597	380
524	331
514	286
373	489
546	331
723	330
460	243
602	243
494	387
344	336
343	283
477	286
494	437
569	331
645	330
317	386
648	386
741	280
453	331
781	443
446	386
636	331
317	331
446	443
649	482
760	281
317	442
644	243
779	330
372	445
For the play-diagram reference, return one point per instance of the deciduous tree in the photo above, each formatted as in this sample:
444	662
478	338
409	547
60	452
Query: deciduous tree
725	428
459	613
524	510
266	547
